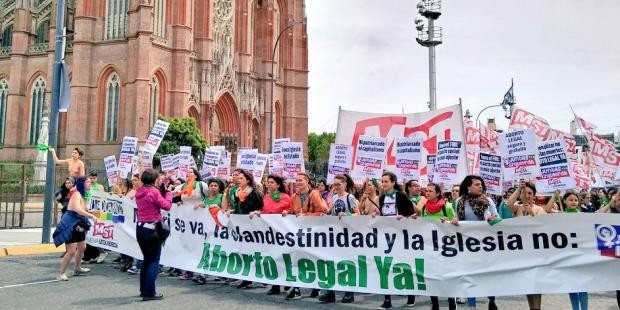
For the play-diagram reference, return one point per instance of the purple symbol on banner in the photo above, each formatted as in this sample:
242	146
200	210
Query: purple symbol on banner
608	240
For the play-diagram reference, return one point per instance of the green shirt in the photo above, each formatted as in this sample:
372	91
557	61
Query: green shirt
231	197
571	210
504	211
97	187
439	215
215	201
415	199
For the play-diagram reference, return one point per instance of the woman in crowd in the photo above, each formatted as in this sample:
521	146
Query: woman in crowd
527	192
322	187
393	202
62	194
342	203
369	202
504	211
414	191
306	202
437	208
586	203
150	202
246	199
276	201
72	229
613	206
474	205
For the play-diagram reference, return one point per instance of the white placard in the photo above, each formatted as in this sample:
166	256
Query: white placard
259	167
128	150
211	162
491	172
157	134
185	160
340	160
246	159
408	157
369	158
519	154
111	169
447	162
555	170
293	158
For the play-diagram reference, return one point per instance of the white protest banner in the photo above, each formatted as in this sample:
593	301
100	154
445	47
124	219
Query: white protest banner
259	167
408	158
223	170
519	154
522	119
604	153
293	159
246	159
276	164
340	160
277	144
491	172
430	164
432	126
524	255
472	144
128	150
210	163
369	158
168	162
111	170
184	158
147	158
157	134
446	163
555	171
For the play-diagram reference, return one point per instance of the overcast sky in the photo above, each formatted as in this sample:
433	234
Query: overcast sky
363	56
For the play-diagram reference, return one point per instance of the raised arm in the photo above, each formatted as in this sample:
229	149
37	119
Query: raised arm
55	157
513	198
550	207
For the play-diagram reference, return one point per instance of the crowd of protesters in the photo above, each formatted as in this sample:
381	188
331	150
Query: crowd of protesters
154	191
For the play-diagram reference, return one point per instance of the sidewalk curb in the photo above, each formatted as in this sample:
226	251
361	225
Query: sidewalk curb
34	249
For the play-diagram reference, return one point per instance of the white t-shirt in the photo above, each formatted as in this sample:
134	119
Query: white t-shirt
389	206
339	204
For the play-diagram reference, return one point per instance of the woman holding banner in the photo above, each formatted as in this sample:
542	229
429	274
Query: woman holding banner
276	201
437	208
246	199
527	192
395	203
342	203
150	202
474	205
306	202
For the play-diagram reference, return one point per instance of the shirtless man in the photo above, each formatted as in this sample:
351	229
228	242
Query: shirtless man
76	165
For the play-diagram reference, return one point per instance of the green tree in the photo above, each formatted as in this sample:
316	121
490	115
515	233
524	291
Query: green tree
318	146
183	131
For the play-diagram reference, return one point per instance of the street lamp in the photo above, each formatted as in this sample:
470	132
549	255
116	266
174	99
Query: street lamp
429	36
272	103
507	104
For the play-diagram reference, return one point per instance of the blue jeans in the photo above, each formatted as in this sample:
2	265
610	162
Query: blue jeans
150	245
577	299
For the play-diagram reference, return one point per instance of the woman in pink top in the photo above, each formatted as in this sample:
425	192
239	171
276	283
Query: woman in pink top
150	201
276	201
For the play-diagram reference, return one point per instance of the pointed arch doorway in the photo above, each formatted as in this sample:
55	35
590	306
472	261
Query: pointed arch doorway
226	123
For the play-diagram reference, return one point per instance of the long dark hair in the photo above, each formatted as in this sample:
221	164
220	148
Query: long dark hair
197	174
467	182
394	179
248	176
149	176
220	184
279	180
64	191
80	185
348	182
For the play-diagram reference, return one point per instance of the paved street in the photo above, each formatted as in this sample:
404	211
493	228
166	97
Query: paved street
106	287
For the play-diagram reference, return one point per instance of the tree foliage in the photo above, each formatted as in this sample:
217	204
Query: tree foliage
318	146
182	131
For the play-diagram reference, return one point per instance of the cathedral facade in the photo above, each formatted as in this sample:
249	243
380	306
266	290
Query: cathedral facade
130	61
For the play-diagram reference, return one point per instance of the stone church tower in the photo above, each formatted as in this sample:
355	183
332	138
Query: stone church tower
132	60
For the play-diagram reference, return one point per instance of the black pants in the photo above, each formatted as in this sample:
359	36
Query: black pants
150	245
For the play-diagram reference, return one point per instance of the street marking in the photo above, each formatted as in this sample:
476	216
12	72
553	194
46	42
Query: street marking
26	284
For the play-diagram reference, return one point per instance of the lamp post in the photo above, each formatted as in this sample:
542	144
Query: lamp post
53	129
272	103
507	104
429	36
